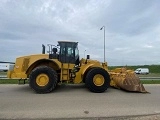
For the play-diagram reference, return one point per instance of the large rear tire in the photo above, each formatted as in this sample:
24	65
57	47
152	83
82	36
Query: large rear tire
43	79
97	80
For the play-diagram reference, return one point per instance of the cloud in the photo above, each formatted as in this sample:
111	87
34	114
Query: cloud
148	46
132	28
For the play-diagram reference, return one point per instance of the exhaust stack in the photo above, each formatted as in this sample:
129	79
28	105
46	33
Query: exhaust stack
43	49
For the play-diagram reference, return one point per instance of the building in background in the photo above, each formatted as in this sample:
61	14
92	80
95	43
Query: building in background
5	66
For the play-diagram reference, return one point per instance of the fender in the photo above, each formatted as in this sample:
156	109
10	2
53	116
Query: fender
88	67
55	64
83	71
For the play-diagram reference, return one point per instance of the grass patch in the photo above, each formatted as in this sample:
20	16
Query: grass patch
11	81
8	81
152	68
150	81
150	75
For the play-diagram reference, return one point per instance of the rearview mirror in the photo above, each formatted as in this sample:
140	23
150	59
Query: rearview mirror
88	56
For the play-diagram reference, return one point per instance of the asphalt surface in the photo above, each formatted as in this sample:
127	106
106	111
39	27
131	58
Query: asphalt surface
76	102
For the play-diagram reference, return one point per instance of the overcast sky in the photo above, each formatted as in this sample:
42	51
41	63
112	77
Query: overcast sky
132	28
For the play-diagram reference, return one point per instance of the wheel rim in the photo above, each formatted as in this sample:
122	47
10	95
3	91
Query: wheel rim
42	80
98	80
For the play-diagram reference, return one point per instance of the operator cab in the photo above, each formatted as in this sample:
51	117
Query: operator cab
66	52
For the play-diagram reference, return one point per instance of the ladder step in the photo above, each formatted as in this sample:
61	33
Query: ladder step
65	72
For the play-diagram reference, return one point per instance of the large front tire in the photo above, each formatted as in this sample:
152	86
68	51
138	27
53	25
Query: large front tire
97	80
43	79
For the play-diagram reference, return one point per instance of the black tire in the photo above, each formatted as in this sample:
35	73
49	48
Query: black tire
52	79
89	80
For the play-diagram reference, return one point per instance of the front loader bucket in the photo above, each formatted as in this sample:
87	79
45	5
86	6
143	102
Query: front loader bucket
126	80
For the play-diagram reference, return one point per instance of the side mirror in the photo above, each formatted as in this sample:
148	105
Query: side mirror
88	56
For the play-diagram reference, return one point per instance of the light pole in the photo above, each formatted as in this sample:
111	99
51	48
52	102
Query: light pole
103	27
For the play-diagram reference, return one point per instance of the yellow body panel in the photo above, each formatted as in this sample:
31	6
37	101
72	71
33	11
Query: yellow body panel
19	75
25	64
86	65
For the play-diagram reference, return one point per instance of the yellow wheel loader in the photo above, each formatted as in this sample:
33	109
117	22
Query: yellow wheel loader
62	65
